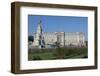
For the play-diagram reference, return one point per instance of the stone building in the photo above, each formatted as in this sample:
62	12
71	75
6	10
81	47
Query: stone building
49	39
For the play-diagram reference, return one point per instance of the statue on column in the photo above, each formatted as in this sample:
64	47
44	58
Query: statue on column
38	38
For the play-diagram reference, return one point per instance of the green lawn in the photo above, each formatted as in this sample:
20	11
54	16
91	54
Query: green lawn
58	53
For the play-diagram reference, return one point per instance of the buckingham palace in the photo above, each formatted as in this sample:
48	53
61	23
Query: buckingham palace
49	39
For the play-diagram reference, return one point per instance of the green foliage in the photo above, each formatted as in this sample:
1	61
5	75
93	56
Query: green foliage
30	38
36	58
58	53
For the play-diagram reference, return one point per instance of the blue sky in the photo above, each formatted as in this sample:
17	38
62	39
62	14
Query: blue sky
58	24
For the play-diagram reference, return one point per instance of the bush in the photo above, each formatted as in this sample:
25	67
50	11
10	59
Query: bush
36	58
85	57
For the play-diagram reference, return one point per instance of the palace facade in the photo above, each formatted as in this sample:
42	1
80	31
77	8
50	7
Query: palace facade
51	39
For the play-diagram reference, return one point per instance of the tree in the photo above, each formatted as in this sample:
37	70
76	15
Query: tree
30	38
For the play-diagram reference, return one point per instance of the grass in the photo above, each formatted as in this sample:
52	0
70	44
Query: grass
58	53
